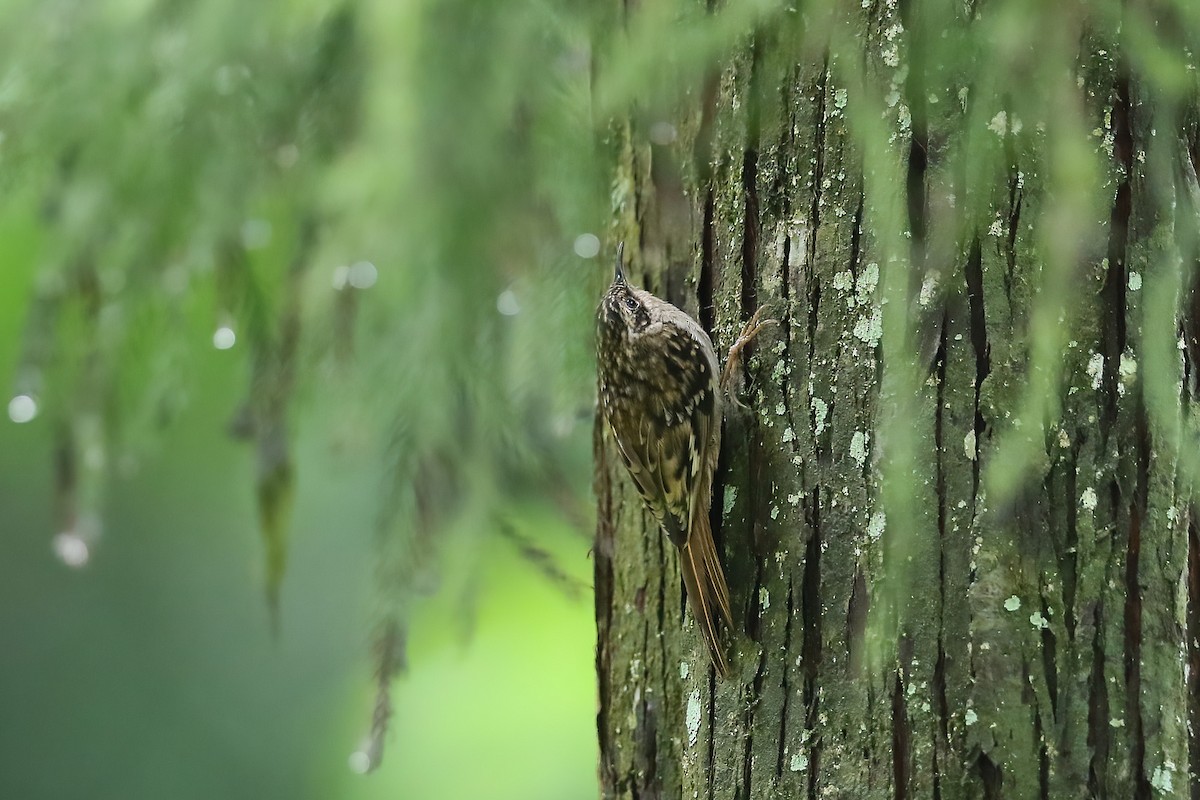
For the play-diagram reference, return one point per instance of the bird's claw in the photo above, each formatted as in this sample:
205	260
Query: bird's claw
748	334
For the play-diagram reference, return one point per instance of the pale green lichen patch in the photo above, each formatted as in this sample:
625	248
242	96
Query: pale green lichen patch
780	369
876	526
799	762
1095	369
928	286
820	411
999	123
858	447
692	718
1162	778
1128	370
870	329
730	499
867	281
1088	499
1012	604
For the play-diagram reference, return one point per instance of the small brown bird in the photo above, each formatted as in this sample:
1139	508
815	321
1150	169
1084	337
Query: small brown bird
663	399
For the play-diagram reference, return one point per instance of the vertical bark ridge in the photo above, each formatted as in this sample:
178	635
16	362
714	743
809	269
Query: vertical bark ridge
941	733
1135	574
810	615
1004	583
602	582
1098	716
840	363
1043	761
1193	650
1133	660
820	112
711	755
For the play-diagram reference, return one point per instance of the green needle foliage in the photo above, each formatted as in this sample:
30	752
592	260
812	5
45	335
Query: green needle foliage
373	204
390	211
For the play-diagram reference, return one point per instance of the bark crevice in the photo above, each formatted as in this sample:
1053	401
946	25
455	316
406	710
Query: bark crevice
1133	655
602	580
708	268
981	347
750	232
818	172
1133	601
1098	727
785	684
702	164
810	617
1193	640
1113	293
901	739
991	777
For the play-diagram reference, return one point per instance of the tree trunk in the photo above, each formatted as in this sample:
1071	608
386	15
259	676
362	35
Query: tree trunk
957	516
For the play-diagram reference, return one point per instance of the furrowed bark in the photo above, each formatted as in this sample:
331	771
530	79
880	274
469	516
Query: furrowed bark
1025	635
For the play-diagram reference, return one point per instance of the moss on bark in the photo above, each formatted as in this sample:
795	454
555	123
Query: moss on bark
1009	619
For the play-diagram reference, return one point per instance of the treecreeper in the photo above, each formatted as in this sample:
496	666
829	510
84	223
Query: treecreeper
664	401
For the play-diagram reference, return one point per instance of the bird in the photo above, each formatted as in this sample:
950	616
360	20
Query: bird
663	398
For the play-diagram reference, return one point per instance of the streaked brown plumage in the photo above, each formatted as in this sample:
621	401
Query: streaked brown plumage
662	396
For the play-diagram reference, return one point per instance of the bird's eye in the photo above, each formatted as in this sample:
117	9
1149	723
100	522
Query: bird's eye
631	304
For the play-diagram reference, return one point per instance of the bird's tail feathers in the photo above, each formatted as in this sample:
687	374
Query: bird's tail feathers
707	592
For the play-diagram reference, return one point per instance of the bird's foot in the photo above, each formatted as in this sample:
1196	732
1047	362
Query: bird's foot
748	334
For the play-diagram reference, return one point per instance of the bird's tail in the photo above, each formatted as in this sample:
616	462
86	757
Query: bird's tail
707	592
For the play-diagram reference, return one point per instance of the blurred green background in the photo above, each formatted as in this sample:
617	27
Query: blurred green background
295	310
152	673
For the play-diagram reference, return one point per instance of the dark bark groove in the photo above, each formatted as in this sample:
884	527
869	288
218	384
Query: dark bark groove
1193	639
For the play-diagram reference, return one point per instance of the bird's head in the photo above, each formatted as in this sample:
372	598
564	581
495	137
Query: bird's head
624	309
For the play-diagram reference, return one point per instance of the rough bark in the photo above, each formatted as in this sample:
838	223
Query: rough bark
1014	632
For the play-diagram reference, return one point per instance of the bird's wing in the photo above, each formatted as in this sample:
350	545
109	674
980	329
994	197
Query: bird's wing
664	437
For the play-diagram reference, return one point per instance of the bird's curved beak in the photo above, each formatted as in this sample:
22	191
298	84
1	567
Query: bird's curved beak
619	271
